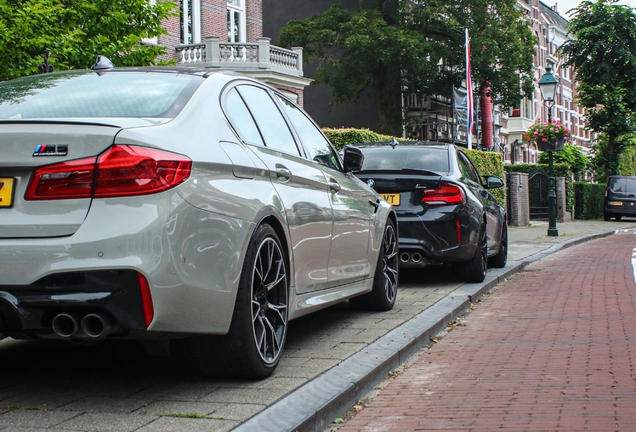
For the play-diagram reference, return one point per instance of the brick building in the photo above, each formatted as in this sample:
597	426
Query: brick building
227	34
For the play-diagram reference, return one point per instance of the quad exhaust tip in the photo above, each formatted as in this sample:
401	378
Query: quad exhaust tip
92	325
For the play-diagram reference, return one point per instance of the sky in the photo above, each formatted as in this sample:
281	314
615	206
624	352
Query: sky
565	5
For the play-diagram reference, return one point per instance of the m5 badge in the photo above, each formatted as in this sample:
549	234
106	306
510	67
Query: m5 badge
51	150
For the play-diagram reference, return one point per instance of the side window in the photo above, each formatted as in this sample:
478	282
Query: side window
316	144
467	168
269	119
241	118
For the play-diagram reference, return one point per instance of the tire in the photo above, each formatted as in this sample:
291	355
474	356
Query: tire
606	217
500	260
475	269
618	218
254	344
385	280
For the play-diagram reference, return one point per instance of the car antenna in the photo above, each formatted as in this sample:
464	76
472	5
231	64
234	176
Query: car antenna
394	142
102	63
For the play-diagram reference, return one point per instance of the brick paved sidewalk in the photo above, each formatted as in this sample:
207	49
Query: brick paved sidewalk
554	348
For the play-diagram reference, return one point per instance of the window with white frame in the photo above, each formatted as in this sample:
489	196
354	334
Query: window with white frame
236	21
190	21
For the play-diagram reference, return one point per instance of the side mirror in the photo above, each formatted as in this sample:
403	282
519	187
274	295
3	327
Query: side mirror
493	182
353	159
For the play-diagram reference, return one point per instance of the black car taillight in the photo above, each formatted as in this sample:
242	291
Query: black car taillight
122	170
445	194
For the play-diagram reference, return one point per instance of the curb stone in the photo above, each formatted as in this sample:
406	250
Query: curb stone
313	406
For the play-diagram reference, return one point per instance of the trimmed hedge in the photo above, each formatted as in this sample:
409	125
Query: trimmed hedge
560	170
589	200
490	163
342	137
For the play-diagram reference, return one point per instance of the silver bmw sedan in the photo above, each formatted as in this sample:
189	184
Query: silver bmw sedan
164	203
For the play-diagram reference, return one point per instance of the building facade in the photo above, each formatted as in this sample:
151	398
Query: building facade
550	29
228	35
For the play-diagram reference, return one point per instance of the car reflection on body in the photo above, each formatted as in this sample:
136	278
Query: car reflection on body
445	212
162	203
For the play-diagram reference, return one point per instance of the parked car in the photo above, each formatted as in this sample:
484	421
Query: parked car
620	197
445	212
161	203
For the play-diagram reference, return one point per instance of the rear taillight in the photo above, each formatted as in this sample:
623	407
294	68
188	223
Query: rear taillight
445	194
122	170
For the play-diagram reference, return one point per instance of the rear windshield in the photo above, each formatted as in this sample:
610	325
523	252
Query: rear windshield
625	185
92	94
418	158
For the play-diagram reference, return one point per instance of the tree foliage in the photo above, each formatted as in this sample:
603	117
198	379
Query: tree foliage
571	155
76	31
603	54
627	158
395	47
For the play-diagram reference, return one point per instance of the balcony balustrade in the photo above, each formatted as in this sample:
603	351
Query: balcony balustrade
241	56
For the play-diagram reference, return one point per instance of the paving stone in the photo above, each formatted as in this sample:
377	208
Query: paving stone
105	405
100	422
35	418
250	396
173	407
171	424
238	412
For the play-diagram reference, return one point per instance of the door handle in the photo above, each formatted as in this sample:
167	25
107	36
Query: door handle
375	202
282	173
334	186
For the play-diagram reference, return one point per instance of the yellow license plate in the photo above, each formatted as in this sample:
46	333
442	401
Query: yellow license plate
6	191
616	203
393	199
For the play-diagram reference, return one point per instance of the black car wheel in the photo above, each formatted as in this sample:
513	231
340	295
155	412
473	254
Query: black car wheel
618	218
500	260
254	344
475	269
385	282
607	217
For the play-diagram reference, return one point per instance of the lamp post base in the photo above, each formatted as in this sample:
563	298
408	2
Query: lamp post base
553	232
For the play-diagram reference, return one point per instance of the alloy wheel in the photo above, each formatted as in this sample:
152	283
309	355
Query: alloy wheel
390	263
269	300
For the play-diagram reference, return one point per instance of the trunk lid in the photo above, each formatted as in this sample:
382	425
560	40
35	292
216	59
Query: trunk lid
25	146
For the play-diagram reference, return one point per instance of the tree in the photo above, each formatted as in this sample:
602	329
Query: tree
395	47
603	55
627	158
571	155
76	31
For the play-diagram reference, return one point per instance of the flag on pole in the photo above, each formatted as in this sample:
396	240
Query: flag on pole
469	90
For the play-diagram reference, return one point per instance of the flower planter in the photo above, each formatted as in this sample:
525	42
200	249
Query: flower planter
551	146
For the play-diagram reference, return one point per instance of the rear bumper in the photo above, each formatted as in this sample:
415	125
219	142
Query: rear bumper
433	236
620	210
114	295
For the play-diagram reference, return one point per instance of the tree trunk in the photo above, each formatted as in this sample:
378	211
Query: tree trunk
388	100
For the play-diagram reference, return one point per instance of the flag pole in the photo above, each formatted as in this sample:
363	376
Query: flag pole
469	91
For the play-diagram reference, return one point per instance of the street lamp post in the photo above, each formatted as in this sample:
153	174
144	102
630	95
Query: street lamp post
548	86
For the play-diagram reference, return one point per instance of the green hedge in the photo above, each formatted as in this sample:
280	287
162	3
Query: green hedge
560	170
589	200
342	137
490	163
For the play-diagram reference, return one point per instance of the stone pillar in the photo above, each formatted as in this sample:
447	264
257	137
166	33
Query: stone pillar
562	212
518	199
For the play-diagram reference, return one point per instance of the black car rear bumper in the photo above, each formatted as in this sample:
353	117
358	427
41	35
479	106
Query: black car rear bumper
433	238
109	298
